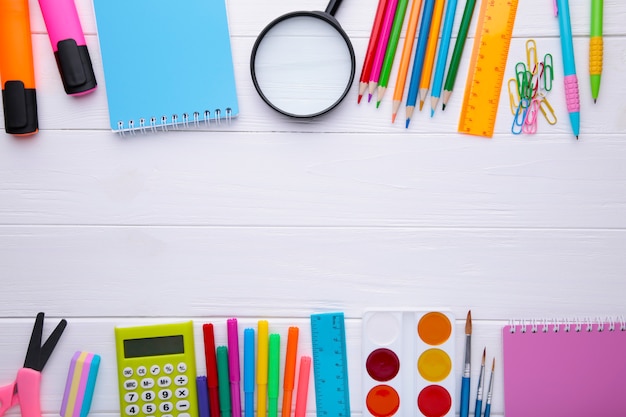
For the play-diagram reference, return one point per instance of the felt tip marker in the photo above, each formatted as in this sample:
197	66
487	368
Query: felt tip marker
233	367
17	73
69	46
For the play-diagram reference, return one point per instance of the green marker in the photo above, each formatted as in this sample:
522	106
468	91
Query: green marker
392	45
596	47
223	380
458	50
273	386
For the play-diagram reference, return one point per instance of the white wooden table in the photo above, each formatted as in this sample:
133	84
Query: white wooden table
278	218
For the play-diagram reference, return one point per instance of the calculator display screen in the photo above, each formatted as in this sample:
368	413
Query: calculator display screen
153	346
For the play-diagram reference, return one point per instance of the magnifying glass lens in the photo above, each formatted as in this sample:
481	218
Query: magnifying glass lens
303	66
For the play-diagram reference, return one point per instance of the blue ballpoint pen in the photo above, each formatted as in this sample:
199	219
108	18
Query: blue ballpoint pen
418	61
248	371
569	65
481	381
442	55
465	380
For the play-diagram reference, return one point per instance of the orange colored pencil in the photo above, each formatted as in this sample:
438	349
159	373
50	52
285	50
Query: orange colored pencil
431	49
405	59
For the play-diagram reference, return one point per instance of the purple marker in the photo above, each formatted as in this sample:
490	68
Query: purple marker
233	366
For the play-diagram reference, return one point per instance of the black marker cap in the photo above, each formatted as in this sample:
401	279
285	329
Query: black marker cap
75	67
20	109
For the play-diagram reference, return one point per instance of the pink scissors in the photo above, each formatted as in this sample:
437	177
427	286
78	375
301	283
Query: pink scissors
25	389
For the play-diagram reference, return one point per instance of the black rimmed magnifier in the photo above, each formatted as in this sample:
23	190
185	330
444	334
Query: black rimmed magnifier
302	63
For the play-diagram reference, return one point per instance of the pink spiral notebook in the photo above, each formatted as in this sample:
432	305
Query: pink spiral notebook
572	369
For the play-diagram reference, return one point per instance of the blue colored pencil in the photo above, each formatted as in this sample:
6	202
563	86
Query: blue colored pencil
442	55
418	61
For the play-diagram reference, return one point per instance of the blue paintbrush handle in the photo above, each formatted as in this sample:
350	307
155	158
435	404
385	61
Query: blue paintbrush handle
479	407
465	392
487	410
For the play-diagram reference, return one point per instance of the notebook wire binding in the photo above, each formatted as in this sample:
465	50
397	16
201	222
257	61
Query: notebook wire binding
566	325
165	124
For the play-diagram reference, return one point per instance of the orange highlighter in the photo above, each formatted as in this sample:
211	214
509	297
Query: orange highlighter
16	69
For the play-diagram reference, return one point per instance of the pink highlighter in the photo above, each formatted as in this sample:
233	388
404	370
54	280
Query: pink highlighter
69	46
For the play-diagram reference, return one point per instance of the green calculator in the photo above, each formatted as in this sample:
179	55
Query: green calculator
156	370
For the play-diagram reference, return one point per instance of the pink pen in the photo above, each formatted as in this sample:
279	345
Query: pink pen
233	365
69	46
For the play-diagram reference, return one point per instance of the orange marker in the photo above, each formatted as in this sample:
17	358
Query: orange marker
290	370
16	69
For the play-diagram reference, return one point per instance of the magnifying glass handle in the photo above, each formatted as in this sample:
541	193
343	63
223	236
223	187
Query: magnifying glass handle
332	7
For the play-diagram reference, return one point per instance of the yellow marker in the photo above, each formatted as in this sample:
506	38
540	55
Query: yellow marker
261	367
487	66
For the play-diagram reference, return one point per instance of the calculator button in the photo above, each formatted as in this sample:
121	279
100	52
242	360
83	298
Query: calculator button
164	381
130	384
182	405
168	368
165	394
142	371
147	396
181	380
127	372
131	397
182	392
166	407
182	367
148	408
132	410
147	383
155	369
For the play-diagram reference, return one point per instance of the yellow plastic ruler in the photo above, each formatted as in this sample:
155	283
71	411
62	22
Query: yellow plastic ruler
487	65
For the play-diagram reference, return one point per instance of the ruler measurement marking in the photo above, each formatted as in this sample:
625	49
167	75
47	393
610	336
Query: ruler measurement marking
487	65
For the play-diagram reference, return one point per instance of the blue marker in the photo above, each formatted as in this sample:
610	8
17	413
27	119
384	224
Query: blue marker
248	371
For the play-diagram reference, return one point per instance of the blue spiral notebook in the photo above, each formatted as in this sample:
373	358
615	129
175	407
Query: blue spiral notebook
167	64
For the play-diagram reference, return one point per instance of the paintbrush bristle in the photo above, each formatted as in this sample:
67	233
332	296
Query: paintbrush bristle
493	365
468	323
484	354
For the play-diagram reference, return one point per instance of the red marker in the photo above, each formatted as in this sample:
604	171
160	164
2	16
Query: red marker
17	74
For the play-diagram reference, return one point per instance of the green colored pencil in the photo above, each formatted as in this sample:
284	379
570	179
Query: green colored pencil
392	45
458	50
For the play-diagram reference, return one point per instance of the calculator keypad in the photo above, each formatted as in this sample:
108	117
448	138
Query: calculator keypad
154	391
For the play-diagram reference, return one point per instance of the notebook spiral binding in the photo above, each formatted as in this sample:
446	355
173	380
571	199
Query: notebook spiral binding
163	124
567	326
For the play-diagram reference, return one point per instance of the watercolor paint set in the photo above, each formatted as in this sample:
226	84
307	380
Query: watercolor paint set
408	357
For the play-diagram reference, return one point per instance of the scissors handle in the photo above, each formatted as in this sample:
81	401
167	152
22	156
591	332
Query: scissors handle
7	397
29	383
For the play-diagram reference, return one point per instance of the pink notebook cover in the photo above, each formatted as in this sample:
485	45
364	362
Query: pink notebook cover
551	373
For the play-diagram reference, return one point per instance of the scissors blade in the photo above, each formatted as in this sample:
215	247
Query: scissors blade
37	355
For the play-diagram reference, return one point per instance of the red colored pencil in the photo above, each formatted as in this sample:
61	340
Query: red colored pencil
371	48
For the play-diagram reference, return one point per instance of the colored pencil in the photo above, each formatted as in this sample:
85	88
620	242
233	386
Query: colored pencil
465	380
418	60
381	47
442	55
371	48
431	49
392	45
405	59
448	86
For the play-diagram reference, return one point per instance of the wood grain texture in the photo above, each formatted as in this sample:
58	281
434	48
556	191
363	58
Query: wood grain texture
276	218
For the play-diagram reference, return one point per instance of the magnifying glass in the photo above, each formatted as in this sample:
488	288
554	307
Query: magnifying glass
302	63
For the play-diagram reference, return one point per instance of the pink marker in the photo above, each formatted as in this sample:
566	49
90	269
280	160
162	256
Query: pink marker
69	46
233	366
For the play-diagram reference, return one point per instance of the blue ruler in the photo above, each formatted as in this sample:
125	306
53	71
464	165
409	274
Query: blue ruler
330	365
